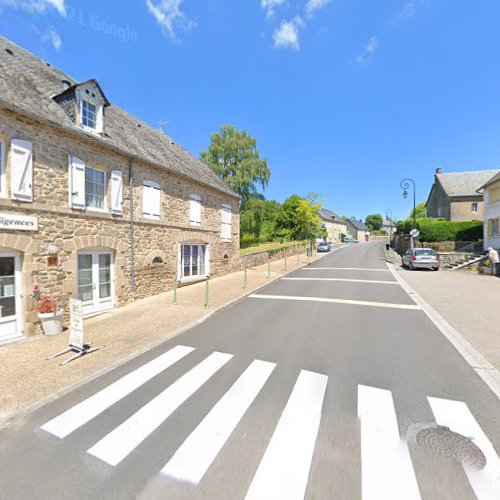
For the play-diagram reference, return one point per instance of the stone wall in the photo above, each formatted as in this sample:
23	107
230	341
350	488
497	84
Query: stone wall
73	230
257	259
461	209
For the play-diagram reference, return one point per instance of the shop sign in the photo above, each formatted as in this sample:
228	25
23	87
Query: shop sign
18	222
76	323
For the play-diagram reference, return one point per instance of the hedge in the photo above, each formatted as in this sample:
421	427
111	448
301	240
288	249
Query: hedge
432	229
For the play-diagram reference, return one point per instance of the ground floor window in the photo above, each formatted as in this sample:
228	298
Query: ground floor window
194	260
95	281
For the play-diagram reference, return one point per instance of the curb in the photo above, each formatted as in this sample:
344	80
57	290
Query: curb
484	369
9	419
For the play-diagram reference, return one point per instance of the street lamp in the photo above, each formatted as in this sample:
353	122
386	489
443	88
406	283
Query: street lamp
388	217
405	184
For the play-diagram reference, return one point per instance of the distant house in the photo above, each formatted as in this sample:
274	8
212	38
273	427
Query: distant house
334	225
389	226
358	229
491	195
455	196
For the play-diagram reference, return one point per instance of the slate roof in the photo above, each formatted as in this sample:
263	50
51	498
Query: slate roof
465	183
491	181
28	84
330	216
359	225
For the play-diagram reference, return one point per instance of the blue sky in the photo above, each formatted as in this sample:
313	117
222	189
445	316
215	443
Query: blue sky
345	97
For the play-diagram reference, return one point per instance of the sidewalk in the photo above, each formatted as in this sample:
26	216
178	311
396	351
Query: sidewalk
27	377
468	301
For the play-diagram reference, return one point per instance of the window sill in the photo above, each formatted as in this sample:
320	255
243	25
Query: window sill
193	279
100	210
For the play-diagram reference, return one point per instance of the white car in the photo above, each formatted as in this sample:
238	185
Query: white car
350	239
421	258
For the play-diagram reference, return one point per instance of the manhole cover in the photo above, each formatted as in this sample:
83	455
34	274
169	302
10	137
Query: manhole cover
442	440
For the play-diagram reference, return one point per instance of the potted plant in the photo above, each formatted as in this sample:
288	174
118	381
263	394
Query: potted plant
50	316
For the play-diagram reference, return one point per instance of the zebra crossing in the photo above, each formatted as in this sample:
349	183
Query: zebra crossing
284	470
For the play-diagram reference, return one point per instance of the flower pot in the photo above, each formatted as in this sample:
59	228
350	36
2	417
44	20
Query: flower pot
52	323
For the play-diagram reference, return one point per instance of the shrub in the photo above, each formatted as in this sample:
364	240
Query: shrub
432	229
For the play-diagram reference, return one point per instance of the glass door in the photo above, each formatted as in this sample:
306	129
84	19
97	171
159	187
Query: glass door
10	324
95	281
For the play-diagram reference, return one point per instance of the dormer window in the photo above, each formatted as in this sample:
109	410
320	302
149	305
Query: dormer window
89	115
84	104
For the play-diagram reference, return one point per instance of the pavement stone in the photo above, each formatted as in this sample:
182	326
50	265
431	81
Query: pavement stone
468	301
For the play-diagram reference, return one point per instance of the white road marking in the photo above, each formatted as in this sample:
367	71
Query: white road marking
116	445
199	450
457	417
78	415
337	301
311	268
387	470
284	469
344	279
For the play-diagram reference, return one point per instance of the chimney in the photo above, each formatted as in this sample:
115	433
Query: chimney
438	170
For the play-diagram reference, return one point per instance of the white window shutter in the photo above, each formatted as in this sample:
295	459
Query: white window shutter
151	199
146	201
156	201
21	170
195	210
116	191
76	175
225	222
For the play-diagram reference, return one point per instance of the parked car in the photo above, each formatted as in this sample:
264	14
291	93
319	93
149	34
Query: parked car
421	258
350	239
324	246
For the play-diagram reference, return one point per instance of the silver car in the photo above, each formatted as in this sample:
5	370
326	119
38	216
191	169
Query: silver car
421	258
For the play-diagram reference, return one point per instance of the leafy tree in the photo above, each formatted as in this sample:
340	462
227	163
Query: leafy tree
257	218
234	157
298	218
420	210
374	222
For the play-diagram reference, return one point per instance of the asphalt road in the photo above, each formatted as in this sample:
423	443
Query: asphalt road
316	387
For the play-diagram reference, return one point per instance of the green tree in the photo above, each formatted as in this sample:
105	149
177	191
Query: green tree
257	218
374	221
420	210
298	218
234	157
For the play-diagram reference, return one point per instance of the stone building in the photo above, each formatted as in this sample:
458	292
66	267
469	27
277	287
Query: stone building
95	204
358	230
454	196
334	225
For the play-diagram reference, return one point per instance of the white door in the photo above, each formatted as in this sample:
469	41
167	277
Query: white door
10	301
95	281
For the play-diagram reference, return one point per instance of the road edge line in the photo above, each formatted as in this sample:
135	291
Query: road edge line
483	368
10	419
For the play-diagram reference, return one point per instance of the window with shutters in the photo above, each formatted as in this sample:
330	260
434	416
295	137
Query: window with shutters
151	200
494	194
195	210
95	189
21	170
225	229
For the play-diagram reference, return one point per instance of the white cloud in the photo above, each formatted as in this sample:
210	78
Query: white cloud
370	49
169	16
411	7
270	6
287	35
52	36
36	5
314	5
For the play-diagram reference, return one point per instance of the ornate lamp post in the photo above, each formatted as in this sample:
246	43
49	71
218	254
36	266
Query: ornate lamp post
405	184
